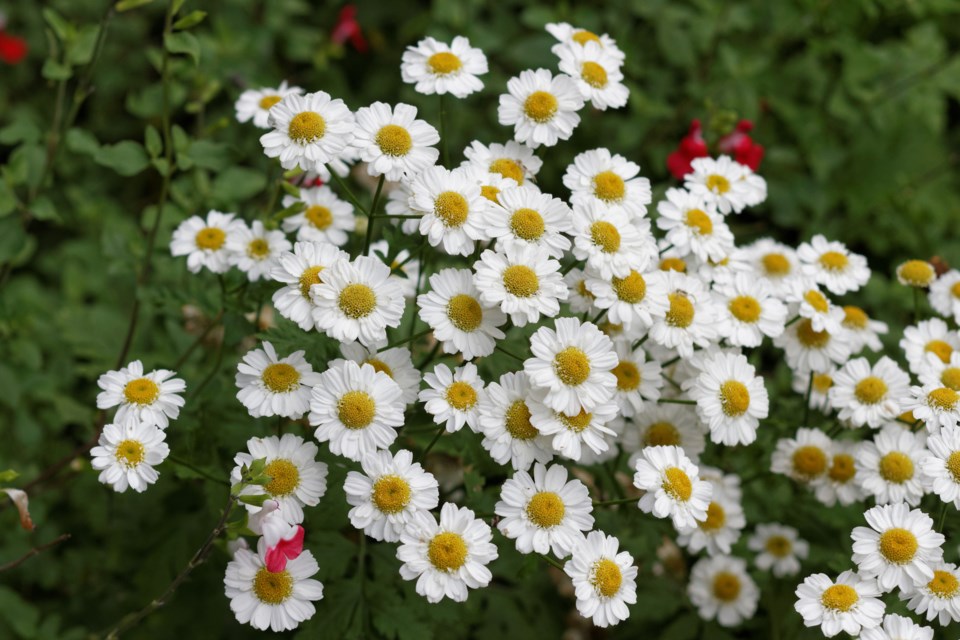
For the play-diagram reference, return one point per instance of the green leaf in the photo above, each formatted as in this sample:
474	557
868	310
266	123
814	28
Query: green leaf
60	27
18	613
236	184
256	500
183	43
177	5
127	5
127	158
53	70
152	141
43	209
82	141
80	48
192	19
8	199
8	475
209	154
290	189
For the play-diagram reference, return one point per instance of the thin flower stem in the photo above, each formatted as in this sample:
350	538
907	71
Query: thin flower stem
806	400
916	305
346	190
610	503
671	361
943	516
505	352
673	382
397	216
196	343
599	316
420	278
436	438
187	465
551	561
443	131
792	320
13	564
429	357
675	401
402	341
372	216
666	248
639	342
570	267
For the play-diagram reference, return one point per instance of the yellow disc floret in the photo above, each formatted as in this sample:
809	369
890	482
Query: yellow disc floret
527	224
734	398
210	238
593	74
444	63
839	597
464	312
605	235
508	168
870	390
130	453
717	184
745	309
939	348
698	220
609	187
520	280
606	578
268	101
944	584
661	434
451	208
142	391
677	484
716	518
357	301
545	509
916	273
896	467
356	409
272	587
681	311
775	264
572	366
391	493
394	140
950	377
817	300
280	377
258	249
284	477
306	127
809	462
632	289
309	277
628	375
943	398
576	423
726	586
855	318
447	551
517	421
540	106
809	337
834	261
778	546
842	468
461	396
898	545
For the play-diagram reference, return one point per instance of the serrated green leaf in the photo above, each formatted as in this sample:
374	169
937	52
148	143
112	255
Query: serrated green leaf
127	158
43	209
81	141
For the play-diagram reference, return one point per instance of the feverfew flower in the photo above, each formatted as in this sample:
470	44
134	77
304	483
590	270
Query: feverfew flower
308	131
691	317
610	244
523	281
719	182
720	588
731	399
938	598
436	67
597	176
929	339
861	330
841	483
404	270
897	628
152	398
452	208
720	530
272	386
255	104
772	260
937	406
673	488
300	272
512	160
945	295
899	548
916	273
395	362
807	349
570	36
779	549
453	310
833	265
810	303
604	579
638	379
664	425
571	431
326	217
694	226
941	465
748	311
453	397
849	603
127	453
805	458
204	242
393	142
597	74
523	216
256	250
633	300
819	383
541	107
867	395
508	434
890	467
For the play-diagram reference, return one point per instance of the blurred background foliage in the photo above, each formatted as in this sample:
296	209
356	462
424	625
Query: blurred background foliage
856	103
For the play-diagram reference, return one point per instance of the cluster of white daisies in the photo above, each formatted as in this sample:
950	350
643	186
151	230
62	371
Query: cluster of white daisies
640	349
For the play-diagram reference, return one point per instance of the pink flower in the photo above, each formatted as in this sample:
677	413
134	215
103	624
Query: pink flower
285	549
691	146
347	28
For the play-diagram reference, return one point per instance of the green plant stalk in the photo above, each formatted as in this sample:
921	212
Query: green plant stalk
372	216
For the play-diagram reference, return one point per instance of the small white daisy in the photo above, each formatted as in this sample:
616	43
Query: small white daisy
453	397
152	398
391	489
357	409
849	603
573	433
945	295
779	549
809	302
664	425
508	434
841	483
127	453
610	244
633	300
597	74
833	265
805	458
204	242
568	35
256	250
899	548
820	386
941	465
300	272
326	217
638	379
673	488
916	273
396	363
772	260
393	142
541	107
272	386
512	160
939	373
720	588
255	104
604	579
694	226
936	405
297	478
447	558
720	530
453	310
690	319
896	627
862	330
524	216
718	181
748	311
929	338
890	467
731	399
308	131
938	598
807	349
452	207
523	281
609	181
404	269
581	298
867	395
436	67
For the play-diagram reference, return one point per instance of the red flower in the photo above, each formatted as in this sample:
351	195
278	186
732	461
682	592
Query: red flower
741	146
737	143
347	28
284	550
12	48
691	146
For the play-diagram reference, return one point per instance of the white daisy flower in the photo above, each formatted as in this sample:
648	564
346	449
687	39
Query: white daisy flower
572	364
809	302
512	160
256	250
897	628
694	226
264	599
916	273
936	405
357	301
597	74
805	458
862	331
126	454
523	281
393	142
438	67
772	260
718	182
841	483
819	387
541	107
807	349
395	362
581	298
357	409
326	218
571	431
255	104
545	512
524	216
899	548
720	530
833	265
597	176
391	489
508	434
152	398
931	336
398	204
297	478
941	465
731	399
452	207
454	397
300	272
779	549
638	379
938	598
404	270
453	310
633	300
673	488
867	395
890	467
936	372
720	588
272	386
610	244
589	457
604	579
204	242
447	558
691	317
664	425
849	603
748	311
568	35
308	131
945	295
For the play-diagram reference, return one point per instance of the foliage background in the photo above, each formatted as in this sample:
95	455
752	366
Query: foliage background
856	102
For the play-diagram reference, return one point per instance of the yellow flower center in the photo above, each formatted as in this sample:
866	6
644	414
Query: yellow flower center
745	309
272	588
817	300
628	375
833	261
391	494
953	465
593	74
716	518
527	224
661	434
605	236
673	264
718	184
944	584
520	280
583	36
452	209
356	409
280	377
778	546
540	106
517	421
258	249
839	597
508	168
141	391
734	398
394	140
917	273
309	277
726	586
870	390
357	301
319	216
465	312
809	462
810	338
775	264
896	467
699	220
822	382
939	348
130	453
631	289
677	484
681	311
268	101
447	551
379	365
210	238
583	291
943	398
606	578
284	477
855	318
609	187
576	423
898	545
842	469
490	192
443	63
306	127
950	377
545	509
955	290
461	395
572	366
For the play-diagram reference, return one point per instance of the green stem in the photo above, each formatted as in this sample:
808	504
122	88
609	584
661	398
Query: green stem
610	503
551	561
675	401
436	438
676	385
599	316
505	352
792	320
570	267
346	190
806	401
943	516
666	248
187	465
429	357
443	132
916	305
402	341
671	361
397	216
372	216
639	342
